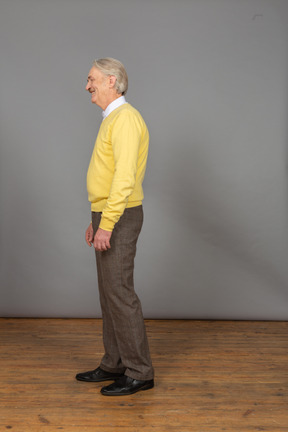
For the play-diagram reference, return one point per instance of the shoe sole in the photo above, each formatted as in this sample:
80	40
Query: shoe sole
147	387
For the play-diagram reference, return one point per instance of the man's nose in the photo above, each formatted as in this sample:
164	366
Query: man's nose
87	86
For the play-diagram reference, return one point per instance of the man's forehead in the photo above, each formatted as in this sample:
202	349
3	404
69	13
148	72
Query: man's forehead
94	72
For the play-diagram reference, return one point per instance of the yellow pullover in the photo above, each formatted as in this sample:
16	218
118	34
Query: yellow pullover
117	166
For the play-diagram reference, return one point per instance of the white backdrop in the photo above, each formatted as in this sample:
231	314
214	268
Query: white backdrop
210	79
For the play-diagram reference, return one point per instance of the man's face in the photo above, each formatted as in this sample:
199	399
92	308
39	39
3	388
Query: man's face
98	86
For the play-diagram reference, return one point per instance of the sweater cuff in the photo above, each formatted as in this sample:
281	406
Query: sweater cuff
106	224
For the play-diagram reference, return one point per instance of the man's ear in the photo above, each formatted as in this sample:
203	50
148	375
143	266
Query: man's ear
112	81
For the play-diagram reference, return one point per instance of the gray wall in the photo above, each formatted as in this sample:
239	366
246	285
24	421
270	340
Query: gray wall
210	78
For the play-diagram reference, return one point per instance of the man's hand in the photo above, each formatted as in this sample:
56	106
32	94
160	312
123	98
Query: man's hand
89	235
102	240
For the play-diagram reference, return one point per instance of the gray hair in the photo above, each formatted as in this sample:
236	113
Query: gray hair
110	66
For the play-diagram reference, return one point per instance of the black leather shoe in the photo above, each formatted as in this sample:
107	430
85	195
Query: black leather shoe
97	375
126	386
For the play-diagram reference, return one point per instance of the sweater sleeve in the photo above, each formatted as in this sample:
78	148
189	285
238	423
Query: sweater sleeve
126	138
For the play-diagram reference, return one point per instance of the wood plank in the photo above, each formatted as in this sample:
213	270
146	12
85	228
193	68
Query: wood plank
210	376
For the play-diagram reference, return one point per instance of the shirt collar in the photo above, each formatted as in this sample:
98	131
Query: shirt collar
113	105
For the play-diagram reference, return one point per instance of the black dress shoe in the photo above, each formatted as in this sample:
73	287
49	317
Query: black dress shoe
97	375
126	386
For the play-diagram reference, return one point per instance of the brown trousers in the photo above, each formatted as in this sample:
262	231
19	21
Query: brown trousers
124	334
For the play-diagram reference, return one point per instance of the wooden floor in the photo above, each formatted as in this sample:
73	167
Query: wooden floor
210	376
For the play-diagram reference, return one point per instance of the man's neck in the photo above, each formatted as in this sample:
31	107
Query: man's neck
112	99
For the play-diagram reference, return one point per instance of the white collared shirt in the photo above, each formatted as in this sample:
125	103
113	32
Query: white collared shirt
113	105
